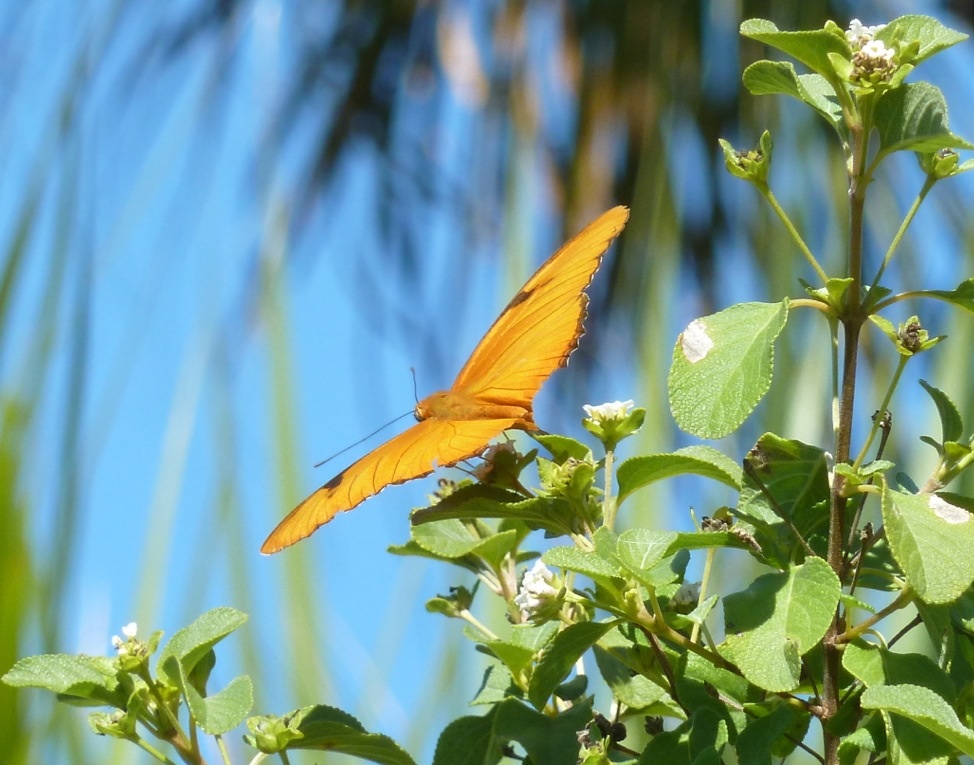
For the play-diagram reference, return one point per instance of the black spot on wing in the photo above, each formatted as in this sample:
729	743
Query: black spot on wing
336	481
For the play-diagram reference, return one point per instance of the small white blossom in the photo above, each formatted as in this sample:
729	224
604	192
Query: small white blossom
129	631
536	588
858	34
687	595
614	410
876	50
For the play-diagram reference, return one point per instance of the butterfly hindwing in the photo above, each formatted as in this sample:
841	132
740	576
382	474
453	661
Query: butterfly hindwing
412	454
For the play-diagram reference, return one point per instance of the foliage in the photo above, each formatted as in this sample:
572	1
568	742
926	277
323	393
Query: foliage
841	537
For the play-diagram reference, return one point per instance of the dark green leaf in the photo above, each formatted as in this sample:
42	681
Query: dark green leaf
560	657
547	740
952	426
914	117
468	741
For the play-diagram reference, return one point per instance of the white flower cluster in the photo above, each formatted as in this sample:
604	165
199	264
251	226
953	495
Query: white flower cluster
536	588
869	52
615	410
687	595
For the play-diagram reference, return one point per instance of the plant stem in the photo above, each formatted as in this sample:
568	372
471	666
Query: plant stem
902	600
609	503
783	216
928	184
852	321
884	407
151	750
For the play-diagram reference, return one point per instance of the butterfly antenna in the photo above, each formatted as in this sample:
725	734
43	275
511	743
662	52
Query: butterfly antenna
362	440
412	371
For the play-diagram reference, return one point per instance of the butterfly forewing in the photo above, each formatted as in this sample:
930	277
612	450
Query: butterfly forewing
541	325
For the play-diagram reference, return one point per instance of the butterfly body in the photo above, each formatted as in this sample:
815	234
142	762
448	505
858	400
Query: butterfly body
494	391
458	405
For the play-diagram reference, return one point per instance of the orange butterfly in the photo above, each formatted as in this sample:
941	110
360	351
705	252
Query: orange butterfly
494	391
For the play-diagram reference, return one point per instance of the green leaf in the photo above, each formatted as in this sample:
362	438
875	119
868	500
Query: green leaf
324	728
632	689
590	564
560	657
548	740
700	460
497	685
192	643
84	677
451	539
757	741
722	367
795	474
931	540
765	78
468	741
780	617
562	447
875	665
640	550
924	707
811	47
221	712
930	33
521	647
962	296
952	426
484	501
914	117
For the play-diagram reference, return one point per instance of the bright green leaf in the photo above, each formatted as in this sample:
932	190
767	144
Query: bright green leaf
810	47
924	707
192	643
590	564
700	460
632	689
962	296
562	447
780	617
722	367
220	712
86	677
931	540
932	36
640	550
